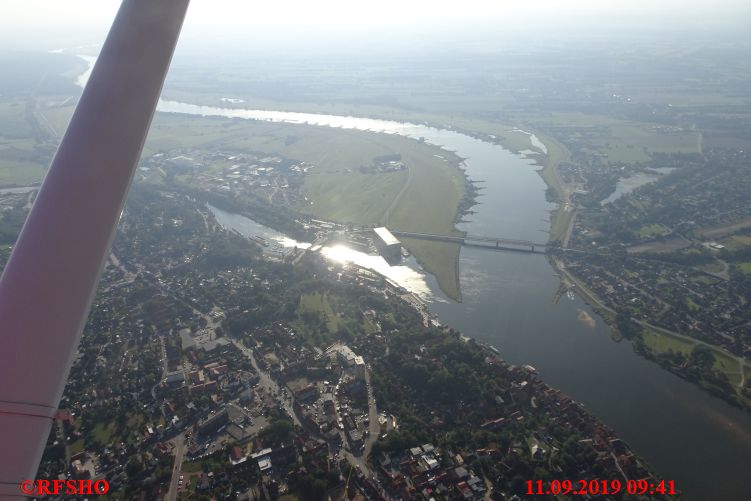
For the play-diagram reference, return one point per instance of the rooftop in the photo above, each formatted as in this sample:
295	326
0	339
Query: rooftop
386	236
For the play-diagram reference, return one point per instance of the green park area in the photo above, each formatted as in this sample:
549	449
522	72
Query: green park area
318	306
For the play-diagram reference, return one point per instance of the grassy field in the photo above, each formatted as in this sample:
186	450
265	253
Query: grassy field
19	173
13	123
653	230
737	242
561	218
659	342
18	166
191	467
77	446
439	252
619	140
318	304
662	342
103	432
713	267
729	366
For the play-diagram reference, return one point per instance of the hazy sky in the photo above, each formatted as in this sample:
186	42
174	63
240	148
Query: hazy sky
305	23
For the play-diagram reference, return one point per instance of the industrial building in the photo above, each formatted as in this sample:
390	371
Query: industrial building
387	244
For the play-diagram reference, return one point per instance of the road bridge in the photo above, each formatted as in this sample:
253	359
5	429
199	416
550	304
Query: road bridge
499	243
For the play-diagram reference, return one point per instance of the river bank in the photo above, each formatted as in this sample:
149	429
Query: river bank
645	342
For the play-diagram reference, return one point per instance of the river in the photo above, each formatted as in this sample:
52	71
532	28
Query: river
685	434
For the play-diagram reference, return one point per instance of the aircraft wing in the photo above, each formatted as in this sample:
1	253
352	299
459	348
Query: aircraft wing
49	282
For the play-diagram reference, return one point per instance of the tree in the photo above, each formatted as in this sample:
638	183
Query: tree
626	325
134	466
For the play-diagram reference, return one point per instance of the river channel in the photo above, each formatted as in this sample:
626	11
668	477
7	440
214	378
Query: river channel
686	435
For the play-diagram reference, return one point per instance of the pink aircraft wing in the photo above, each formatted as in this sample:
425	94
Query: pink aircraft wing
47	287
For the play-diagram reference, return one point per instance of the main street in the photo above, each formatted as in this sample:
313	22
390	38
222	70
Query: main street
360	460
165	369
268	384
180	446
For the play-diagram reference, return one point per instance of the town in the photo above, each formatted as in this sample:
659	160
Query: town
208	371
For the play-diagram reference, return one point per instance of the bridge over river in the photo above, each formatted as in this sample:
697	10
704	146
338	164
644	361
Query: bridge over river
498	243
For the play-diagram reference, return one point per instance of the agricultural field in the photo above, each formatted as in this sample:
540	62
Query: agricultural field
617	140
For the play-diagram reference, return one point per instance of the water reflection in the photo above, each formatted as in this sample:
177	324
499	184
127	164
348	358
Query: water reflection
406	275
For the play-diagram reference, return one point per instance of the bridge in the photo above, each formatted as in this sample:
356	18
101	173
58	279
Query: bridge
479	241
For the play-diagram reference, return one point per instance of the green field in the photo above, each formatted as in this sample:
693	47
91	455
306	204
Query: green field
77	446
560	218
19	163
191	467
103	432
727	365
439	252
659	342
318	304
13	123
662	342
19	173
737	242
713	267
652	230
619	140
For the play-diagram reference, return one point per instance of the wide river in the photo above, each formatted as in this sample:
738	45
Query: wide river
685	434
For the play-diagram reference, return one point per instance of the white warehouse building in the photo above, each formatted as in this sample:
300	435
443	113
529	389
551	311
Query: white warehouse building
387	244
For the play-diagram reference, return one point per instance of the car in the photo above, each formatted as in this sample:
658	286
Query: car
181	477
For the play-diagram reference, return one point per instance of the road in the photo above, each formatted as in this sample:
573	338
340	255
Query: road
164	368
360	461
374	429
269	384
180	447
